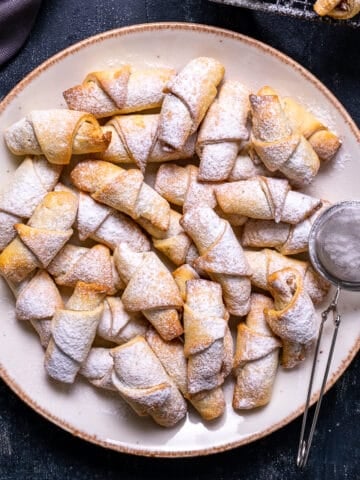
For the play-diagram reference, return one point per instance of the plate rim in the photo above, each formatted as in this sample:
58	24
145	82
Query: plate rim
225	33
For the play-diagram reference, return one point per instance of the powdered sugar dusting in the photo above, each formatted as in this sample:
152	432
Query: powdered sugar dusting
265	262
108	226
222	130
93	266
39	299
119	90
98	368
189	95
205	325
118	325
256	357
27	188
293	318
162	298
150	291
90	215
220	256
319	111
142	381
340	161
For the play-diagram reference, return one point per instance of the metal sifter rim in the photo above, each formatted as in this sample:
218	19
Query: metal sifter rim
316	263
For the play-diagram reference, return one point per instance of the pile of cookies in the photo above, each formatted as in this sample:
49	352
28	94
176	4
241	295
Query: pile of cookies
154	272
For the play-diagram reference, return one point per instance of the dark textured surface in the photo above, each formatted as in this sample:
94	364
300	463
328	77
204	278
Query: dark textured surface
17	18
31	447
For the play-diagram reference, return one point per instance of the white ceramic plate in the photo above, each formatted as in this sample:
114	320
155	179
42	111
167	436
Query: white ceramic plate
101	417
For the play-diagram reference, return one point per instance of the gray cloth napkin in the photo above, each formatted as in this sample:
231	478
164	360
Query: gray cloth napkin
16	20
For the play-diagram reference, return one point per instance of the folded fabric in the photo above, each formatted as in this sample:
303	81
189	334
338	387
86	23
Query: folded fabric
17	18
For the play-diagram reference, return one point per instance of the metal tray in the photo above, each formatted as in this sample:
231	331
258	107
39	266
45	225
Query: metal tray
294	8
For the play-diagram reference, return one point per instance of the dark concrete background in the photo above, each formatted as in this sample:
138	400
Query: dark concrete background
31	447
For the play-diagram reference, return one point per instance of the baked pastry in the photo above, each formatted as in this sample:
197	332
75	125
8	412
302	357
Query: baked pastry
130	302
89	265
122	327
98	367
124	190
176	183
119	326
256	357
209	404
57	134
187	98
266	199
180	186
37	302
175	244
134	140
265	262
105	225
247	166
287	239
208	342
143	383
73	330
293	315
38	242
278	146
339	9
150	289
222	131
28	185
324	142
119	90
221	256
182	275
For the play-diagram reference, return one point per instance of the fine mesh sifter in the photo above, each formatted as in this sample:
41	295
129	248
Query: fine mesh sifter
334	249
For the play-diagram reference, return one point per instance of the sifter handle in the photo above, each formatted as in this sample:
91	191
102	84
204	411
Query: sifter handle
304	445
